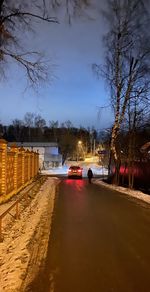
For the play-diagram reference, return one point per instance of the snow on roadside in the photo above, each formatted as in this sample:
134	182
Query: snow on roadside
133	193
14	251
63	170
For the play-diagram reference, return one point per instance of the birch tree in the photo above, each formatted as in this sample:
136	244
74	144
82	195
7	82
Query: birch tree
127	60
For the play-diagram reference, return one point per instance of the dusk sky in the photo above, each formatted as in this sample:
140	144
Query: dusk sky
75	93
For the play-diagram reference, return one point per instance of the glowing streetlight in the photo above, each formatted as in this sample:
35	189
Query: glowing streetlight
79	144
80	150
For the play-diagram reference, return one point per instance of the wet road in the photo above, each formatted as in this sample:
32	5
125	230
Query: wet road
100	242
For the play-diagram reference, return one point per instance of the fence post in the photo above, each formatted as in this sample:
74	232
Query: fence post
37	162
15	150
22	150
1	239
3	146
33	163
28	153
34	159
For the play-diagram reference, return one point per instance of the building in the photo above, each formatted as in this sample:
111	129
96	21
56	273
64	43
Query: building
49	156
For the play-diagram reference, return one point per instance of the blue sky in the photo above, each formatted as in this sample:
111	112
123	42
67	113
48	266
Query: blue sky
75	93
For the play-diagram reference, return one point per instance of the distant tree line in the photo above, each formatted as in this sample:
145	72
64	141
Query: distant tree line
33	128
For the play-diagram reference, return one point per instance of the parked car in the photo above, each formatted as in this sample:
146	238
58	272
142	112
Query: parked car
75	171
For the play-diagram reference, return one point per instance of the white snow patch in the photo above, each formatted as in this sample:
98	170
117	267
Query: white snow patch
89	162
14	254
133	193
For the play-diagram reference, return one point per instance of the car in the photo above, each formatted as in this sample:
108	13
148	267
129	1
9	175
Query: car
75	171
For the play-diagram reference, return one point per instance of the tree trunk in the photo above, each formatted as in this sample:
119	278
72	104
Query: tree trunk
115	152
109	163
132	177
117	172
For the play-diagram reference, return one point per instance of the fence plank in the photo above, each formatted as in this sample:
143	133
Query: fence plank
17	168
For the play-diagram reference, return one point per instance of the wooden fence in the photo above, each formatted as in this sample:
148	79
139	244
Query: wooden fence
17	169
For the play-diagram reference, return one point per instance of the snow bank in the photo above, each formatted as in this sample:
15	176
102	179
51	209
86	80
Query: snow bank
134	193
15	250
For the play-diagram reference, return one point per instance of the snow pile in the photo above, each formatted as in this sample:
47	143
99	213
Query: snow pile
133	193
15	253
61	170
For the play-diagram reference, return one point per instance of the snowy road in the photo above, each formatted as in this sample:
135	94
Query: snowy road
99	242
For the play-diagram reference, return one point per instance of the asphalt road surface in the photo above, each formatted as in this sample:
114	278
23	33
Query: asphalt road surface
100	242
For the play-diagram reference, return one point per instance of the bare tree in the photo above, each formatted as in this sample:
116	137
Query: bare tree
18	17
39	122
54	127
71	8
29	119
137	109
68	124
29	122
127	62
18	125
53	124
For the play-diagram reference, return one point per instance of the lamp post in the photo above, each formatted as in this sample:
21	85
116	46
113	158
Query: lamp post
80	150
79	144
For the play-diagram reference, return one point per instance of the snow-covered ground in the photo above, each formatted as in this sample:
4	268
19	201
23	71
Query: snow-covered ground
20	250
132	193
92	162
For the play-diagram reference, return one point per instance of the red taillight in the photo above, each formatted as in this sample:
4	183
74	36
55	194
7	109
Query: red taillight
69	170
79	170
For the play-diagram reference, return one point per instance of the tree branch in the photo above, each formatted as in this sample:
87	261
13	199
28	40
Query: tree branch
21	14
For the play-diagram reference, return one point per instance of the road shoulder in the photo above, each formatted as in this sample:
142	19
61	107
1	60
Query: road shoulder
132	193
24	247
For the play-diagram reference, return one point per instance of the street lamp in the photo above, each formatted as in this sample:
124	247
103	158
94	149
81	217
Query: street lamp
80	150
78	146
